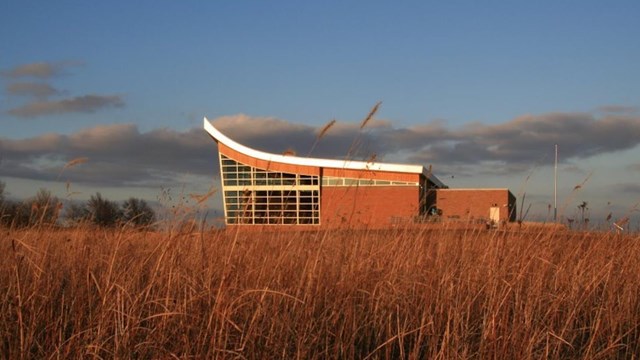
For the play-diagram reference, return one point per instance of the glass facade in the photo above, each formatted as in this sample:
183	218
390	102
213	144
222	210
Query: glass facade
338	181
258	196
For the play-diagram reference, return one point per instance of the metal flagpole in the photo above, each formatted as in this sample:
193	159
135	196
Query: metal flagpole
555	187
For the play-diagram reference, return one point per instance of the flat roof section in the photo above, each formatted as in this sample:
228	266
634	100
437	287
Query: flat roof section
327	163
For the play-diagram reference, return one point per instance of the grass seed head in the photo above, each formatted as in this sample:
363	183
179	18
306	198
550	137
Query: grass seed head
326	128
372	112
73	162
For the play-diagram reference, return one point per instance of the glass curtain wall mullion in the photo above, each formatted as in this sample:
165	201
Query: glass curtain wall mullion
222	179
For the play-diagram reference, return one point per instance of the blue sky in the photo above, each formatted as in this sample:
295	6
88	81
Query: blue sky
455	78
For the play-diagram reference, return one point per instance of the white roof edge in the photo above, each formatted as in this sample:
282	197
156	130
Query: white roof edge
296	160
476	189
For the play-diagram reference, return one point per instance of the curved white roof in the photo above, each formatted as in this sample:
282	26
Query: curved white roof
328	163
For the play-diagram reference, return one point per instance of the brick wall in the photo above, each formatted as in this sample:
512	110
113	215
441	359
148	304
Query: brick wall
373	206
371	175
475	204
382	206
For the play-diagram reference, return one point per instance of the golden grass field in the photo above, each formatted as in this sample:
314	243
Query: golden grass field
402	293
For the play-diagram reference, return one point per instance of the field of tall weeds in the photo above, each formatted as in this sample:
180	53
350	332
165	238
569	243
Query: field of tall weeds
352	294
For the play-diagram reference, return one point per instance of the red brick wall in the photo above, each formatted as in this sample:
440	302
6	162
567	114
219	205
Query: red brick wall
472	204
267	165
372	206
371	175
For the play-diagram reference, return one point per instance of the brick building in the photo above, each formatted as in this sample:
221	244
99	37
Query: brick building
497	205
267	189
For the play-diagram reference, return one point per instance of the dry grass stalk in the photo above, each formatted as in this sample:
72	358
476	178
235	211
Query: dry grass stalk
325	129
321	134
355	146
200	198
372	112
373	158
571	196
289	152
398	293
74	162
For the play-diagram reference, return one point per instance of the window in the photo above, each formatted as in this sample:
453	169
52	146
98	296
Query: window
338	181
259	196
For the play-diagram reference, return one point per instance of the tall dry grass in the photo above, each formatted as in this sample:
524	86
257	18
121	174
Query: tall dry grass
402	293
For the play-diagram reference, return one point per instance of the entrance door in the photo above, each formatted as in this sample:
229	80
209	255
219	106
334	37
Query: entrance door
494	215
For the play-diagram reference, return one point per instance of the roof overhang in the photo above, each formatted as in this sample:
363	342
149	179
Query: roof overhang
326	163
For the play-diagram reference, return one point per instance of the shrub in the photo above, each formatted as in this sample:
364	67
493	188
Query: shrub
103	212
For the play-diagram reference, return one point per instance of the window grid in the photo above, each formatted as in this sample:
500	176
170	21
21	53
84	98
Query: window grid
338	181
258	196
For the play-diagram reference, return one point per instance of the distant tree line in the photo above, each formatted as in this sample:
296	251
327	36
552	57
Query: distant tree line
44	208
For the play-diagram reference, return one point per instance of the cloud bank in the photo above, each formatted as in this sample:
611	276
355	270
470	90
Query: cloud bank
523	139
121	155
80	104
35	89
40	70
618	109
41	91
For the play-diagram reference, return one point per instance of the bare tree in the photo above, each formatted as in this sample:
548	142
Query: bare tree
103	212
15	214
3	214
137	212
45	208
76	213
2	185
